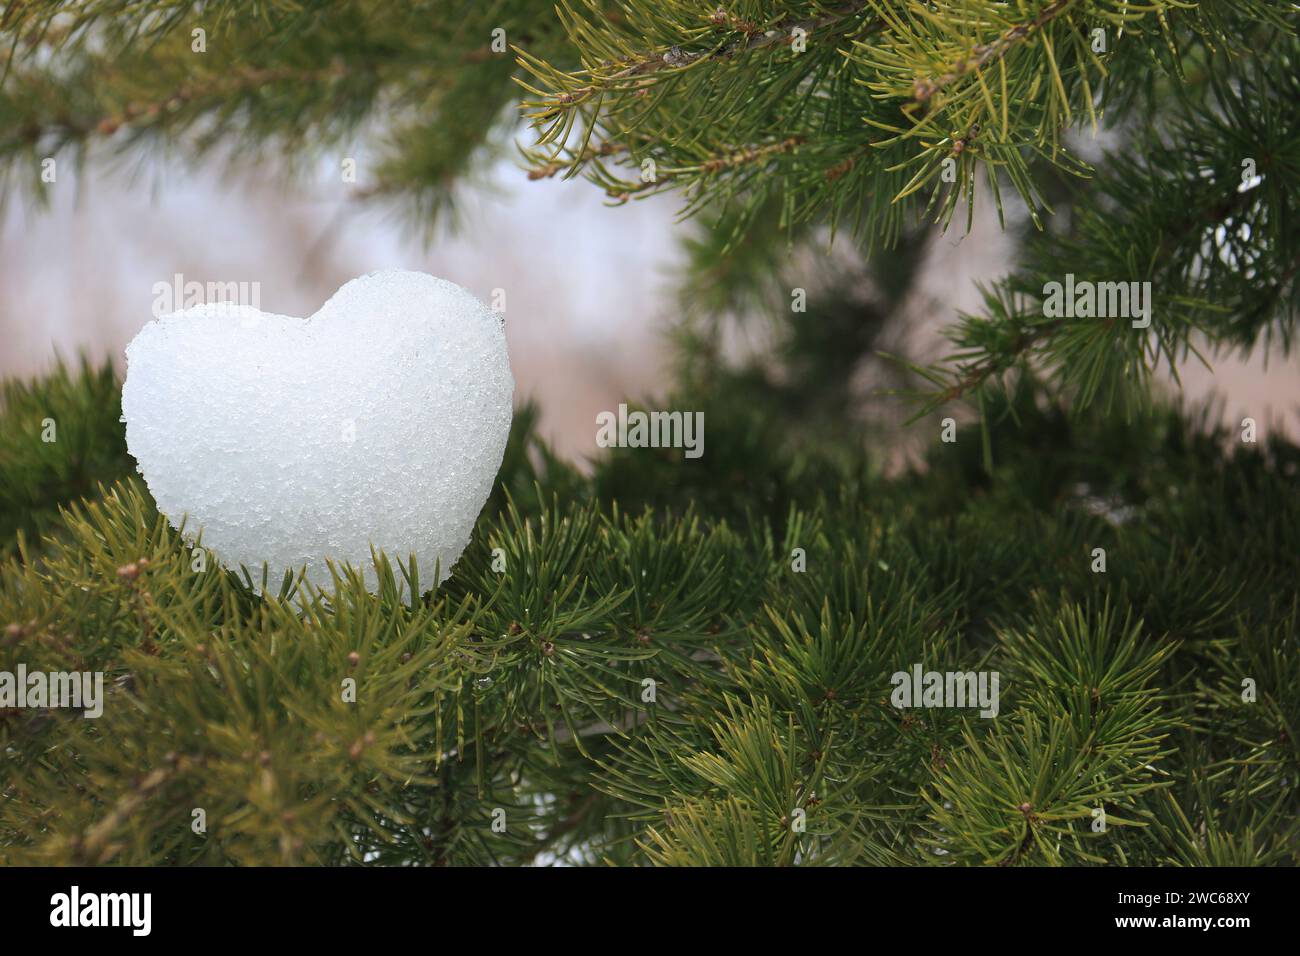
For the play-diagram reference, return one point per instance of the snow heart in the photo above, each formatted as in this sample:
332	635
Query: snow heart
380	421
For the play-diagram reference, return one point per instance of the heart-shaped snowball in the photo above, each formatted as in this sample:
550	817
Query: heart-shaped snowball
380	421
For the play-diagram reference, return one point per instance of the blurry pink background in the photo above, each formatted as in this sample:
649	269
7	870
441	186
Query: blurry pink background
588	287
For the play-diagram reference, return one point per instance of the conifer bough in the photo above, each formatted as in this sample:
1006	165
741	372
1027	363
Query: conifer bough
691	663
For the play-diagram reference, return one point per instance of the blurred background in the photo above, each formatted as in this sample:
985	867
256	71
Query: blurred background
591	290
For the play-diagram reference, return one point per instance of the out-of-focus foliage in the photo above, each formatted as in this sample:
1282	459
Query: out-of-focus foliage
418	94
60	436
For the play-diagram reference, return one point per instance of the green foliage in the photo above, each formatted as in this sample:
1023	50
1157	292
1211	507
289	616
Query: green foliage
794	117
60	436
520	693
782	123
843	110
415	92
1202	208
659	661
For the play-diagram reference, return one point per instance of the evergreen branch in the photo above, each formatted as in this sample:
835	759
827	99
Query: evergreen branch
93	847
642	662
1183	232
610	75
549	169
307	75
991	94
622	191
985	53
773	684
217	89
